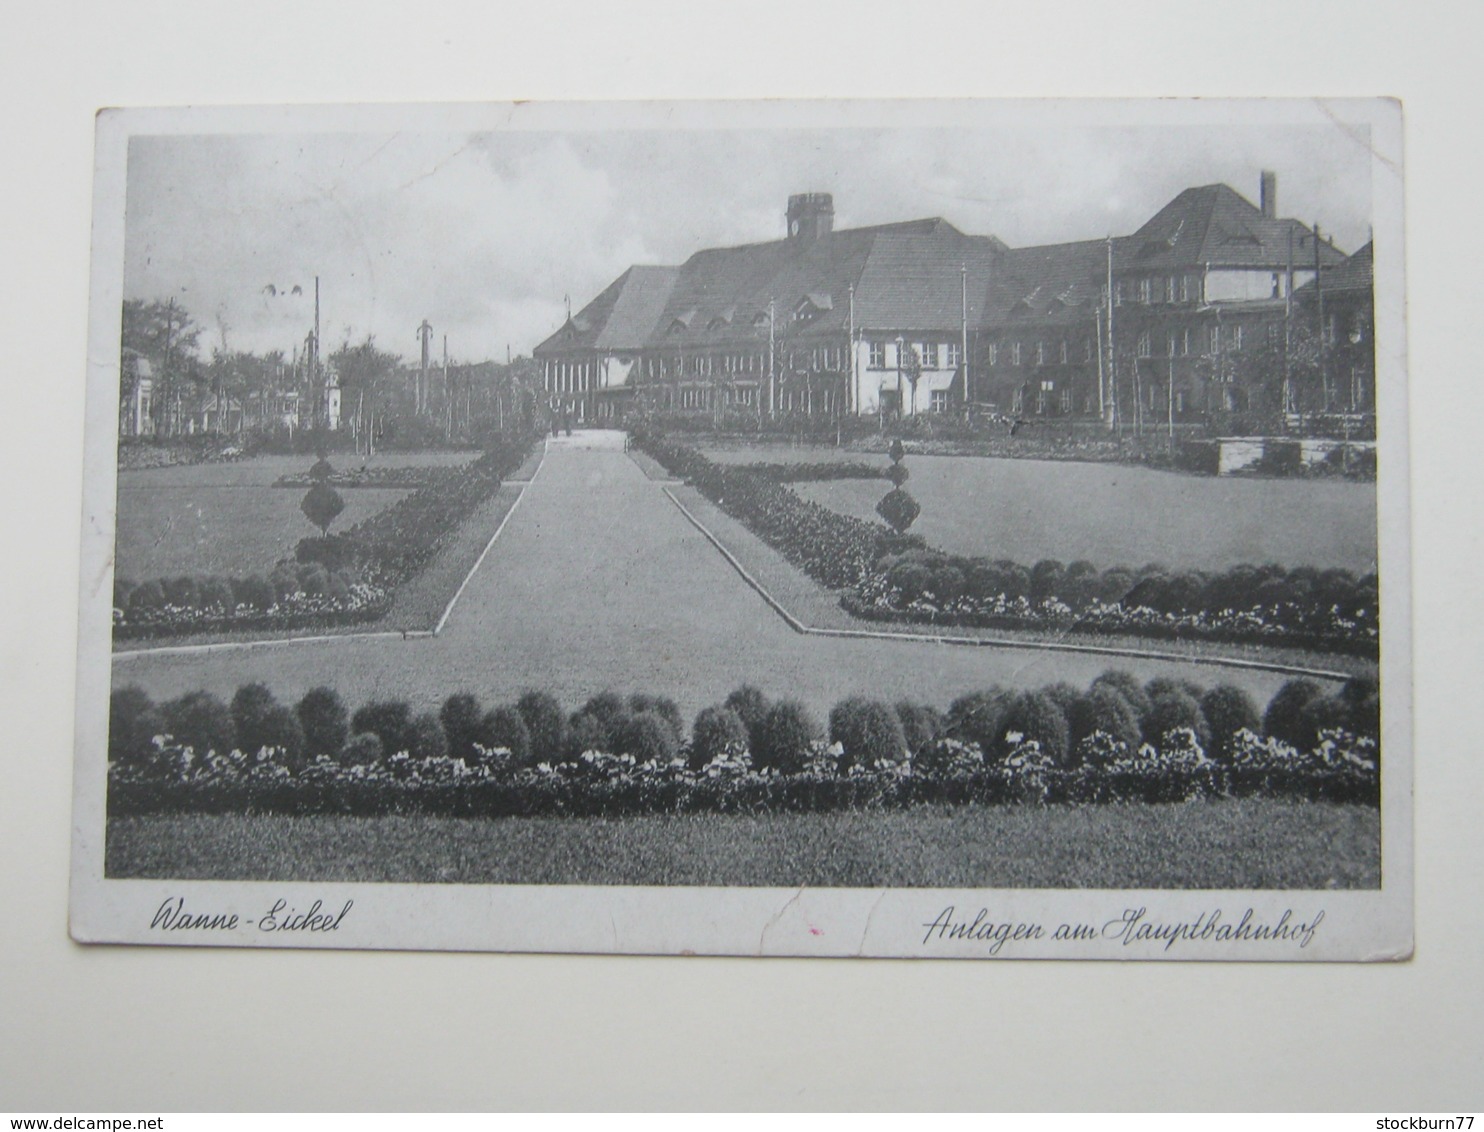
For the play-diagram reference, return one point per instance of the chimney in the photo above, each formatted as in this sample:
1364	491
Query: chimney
1268	198
810	216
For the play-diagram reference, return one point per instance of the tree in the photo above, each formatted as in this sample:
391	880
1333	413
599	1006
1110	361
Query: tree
322	505
166	336
365	375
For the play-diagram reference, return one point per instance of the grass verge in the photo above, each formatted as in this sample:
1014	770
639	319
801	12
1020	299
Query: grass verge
1246	844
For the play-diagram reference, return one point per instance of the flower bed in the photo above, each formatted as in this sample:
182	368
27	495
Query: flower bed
342	579
895	578
409	476
617	757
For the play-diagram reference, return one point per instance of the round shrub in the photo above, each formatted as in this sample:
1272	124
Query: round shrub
251	706
606	707
1173	710
1065	695
337	589
1014	579
314	580
1115	585
1104	709
948	583
1037	716
1046	579
647	736
504	728
587	732
322	718
751	707
1184	593
1335	587
784	737
662	706
1323	713
1148	592
868	731
976	717
200	721
426	739
1363	697
122	589
285	583
183	591
1234	589
216	593
278	728
1079	584
133	723
1284	719
1126	684
146	597
717	731
1161	685
460	716
1273	591
255	591
1228	709
390	721
921	724
912	578
363	749
546	725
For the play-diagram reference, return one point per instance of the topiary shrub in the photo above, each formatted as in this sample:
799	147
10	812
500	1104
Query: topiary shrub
868	731
1173	710
254	591
314	580
200	721
1046	579
1162	685
586	732
1104	709
428	740
662	706
321	505
250	707
1126	684
122	589
1363	697
717	731
751	707
1066	696
1114	586
975	718
504	728
363	749
322	718
183	591
546	726
389	720
784	737
216	593
948	584
1284	719
606	707
922	724
460	717
278	729
146	597
1037	716
133	723
1228	709
1323	713
913	579
647	736
1079	584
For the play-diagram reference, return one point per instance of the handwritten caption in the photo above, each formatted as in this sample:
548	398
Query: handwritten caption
173	915
1132	927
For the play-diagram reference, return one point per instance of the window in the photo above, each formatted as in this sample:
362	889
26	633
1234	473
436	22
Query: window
939	400
1185	341
954	357
994	354
1087	349
1066	400
1172	289
1040	353
1275	334
1215	339
1063	351
1236	337
1118	293
928	353
1015	355
1145	350
1145	289
878	355
1172	340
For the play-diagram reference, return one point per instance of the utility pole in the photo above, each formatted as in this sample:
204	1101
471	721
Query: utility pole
963	347
1287	330
772	366
1319	303
850	346
424	338
1110	405
321	410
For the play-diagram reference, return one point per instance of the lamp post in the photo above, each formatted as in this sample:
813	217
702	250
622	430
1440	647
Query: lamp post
901	345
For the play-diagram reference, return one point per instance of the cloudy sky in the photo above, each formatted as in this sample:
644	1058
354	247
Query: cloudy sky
484	234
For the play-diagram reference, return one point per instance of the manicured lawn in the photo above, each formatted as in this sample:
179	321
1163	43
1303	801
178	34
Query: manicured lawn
228	518
1110	514
1207	844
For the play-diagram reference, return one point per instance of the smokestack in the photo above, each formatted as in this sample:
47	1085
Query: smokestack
1268	198
810	216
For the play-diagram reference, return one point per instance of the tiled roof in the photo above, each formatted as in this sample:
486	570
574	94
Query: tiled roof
620	318
1355	274
1054	283
1215	226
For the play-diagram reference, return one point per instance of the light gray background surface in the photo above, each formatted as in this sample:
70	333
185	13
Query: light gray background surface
169	1029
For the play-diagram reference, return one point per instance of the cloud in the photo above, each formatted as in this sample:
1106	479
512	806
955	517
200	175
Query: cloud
484	234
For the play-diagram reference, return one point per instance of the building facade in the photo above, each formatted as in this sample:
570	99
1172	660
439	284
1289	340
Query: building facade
918	317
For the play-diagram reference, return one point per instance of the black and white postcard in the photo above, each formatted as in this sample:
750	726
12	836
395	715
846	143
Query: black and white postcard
919	529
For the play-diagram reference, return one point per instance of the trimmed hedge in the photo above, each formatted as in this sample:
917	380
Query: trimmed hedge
896	578
1053	744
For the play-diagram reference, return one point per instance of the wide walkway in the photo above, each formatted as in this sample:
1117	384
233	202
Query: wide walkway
599	582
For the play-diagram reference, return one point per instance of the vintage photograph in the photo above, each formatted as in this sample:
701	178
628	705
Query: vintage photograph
945	529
